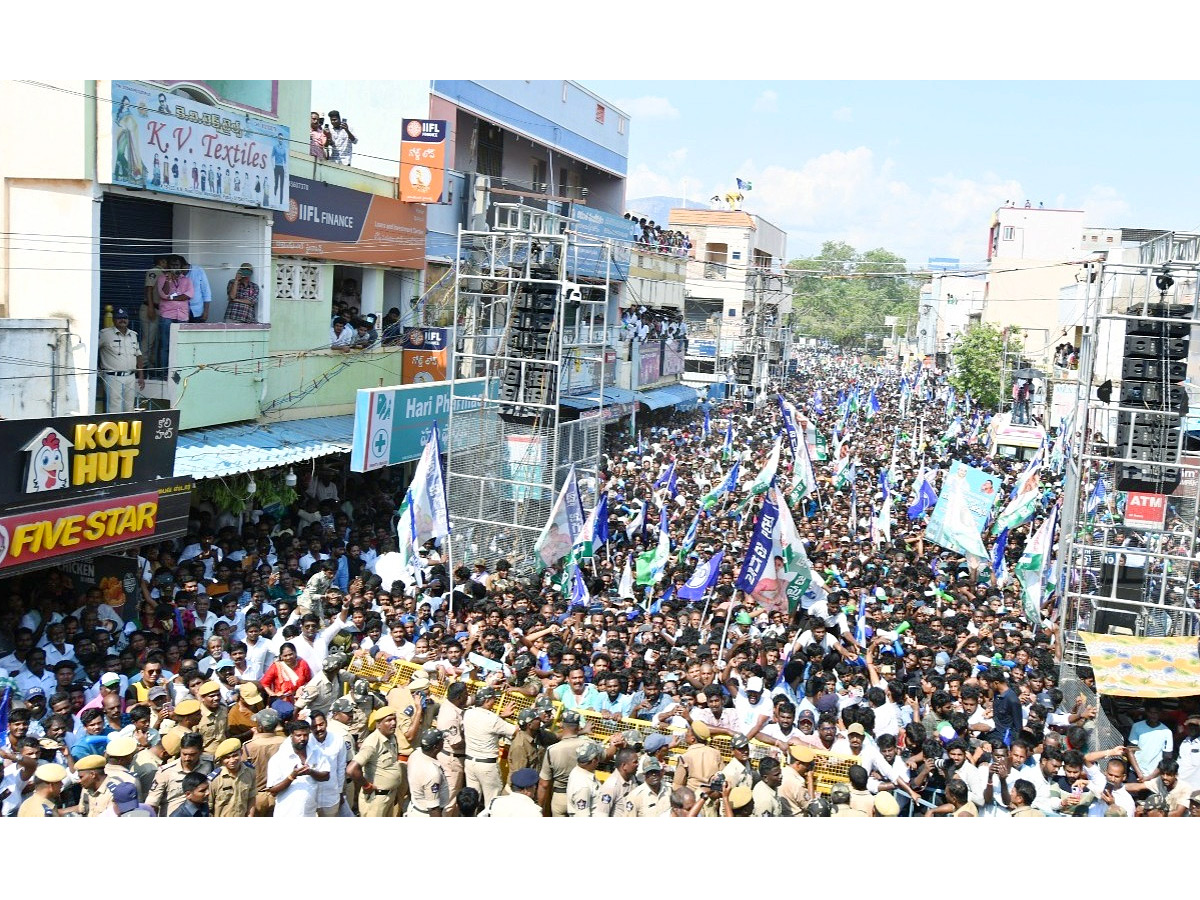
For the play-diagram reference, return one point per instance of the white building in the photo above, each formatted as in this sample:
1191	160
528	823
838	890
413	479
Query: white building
737	296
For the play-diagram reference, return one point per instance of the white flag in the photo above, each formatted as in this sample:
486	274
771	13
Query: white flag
625	588
564	525
427	495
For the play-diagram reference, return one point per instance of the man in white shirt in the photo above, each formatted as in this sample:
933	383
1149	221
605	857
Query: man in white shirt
259	654
35	674
295	773
336	748
1148	741
751	705
1189	751
205	617
313	647
395	642
1107	788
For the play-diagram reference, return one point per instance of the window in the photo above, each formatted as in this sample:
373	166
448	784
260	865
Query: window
737	254
620	124
732	313
1008	232
297	280
1094	238
599	113
1109	239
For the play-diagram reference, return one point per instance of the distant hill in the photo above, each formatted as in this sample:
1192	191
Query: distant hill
658	209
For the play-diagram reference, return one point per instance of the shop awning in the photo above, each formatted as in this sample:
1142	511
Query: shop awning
680	396
613	396
234	449
1128	666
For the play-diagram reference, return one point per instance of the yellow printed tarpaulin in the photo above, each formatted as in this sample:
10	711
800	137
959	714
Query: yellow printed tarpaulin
1128	666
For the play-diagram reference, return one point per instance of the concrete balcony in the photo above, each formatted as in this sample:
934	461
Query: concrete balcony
225	373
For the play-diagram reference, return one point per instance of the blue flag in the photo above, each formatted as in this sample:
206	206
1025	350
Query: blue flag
860	622
707	424
1096	497
924	499
4	701
727	447
601	534
669	479
816	404
998	553
758	554
703	578
579	592
689	539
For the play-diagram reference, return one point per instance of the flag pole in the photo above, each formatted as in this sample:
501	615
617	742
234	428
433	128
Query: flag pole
725	631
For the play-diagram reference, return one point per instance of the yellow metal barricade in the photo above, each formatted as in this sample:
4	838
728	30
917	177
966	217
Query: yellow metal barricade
828	768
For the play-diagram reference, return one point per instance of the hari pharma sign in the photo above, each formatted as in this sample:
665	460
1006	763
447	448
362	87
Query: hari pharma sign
174	145
393	424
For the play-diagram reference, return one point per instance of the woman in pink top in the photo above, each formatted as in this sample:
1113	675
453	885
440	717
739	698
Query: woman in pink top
174	290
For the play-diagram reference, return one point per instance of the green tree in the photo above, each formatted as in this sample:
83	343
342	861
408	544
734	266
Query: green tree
976	358
842	294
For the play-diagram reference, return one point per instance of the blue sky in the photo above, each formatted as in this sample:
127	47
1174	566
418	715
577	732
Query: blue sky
917	167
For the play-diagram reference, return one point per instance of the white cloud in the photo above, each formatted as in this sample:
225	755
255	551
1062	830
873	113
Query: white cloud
767	102
648	108
853	195
1105	207
843	114
675	157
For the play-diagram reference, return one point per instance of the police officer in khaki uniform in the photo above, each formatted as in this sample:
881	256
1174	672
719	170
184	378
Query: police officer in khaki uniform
120	752
121	364
47	788
737	770
483	730
426	780
796	787
449	723
167	795
214	717
766	793
618	785
526	751
376	767
93	799
523	680
649	799
406	702
259	750
558	764
231	788
700	762
583	788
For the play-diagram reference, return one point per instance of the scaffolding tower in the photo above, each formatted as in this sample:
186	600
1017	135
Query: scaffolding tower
1127	549
536	335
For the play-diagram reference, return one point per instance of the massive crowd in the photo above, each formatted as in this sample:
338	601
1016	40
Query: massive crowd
231	692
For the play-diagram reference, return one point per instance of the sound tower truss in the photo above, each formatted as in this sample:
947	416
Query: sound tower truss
1127	551
528	328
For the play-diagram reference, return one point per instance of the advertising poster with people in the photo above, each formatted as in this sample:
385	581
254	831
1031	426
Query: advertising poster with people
175	145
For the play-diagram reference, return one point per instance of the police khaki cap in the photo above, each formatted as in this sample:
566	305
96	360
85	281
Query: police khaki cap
187	707
886	805
122	746
801	753
51	773
226	747
740	796
701	731
209	687
419	682
250	693
379	715
90	763
170	742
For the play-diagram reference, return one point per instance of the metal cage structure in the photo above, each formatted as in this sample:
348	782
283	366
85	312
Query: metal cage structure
1127	547
535	335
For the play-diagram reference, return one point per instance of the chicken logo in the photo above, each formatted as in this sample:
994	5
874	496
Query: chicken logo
49	462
